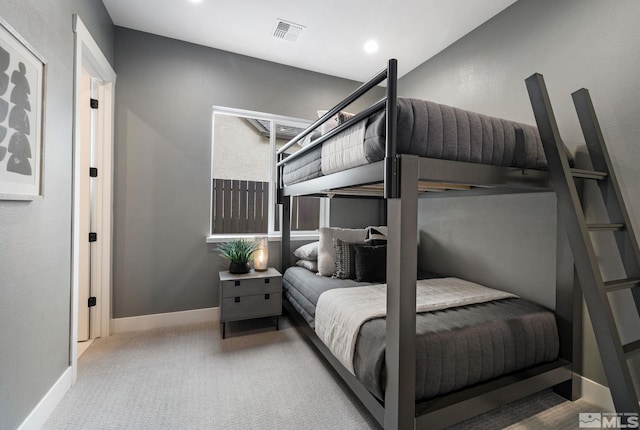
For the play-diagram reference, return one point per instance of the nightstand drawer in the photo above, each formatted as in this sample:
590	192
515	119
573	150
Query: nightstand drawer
251	286
254	306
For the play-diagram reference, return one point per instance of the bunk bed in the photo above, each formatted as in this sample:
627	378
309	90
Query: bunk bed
399	169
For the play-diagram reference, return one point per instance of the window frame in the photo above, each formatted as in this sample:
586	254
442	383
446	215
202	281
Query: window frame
272	233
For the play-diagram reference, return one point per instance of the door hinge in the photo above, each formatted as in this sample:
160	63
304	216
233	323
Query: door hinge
93	172
93	237
94	103
92	302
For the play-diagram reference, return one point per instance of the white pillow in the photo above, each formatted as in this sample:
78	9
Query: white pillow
326	250
308	251
308	264
334	121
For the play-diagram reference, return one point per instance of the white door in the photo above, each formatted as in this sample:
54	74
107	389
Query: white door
92	277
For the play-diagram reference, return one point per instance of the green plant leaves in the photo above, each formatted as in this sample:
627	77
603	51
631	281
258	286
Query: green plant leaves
238	251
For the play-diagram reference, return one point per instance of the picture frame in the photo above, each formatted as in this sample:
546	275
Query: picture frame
22	111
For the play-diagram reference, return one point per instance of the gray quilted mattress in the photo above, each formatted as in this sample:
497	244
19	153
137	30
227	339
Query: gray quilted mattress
432	130
455	348
304	168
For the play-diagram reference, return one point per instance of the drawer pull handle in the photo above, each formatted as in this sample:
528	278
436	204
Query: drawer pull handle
266	296
236	299
267	280
236	283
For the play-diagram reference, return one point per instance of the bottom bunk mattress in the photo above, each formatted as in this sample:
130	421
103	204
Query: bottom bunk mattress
455	348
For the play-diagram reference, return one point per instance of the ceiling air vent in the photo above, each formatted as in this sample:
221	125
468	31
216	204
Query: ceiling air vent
287	30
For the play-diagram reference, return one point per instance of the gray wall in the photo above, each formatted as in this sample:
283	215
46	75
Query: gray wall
356	213
574	44
503	241
164	96
35	237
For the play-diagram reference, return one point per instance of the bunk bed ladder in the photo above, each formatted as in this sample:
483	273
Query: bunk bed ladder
614	354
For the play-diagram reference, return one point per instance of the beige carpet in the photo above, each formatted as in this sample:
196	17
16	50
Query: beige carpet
188	378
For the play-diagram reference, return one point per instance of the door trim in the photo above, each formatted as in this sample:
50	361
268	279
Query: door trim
88	52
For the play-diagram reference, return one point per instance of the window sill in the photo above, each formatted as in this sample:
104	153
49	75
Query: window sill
219	238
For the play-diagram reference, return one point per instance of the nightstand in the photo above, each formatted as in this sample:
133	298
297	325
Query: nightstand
250	295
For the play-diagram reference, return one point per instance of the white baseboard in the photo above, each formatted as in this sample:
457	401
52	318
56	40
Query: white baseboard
596	394
48	403
146	322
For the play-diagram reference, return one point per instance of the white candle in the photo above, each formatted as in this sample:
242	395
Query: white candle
261	256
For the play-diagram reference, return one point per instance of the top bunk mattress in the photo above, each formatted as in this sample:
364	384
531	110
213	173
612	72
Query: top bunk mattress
425	129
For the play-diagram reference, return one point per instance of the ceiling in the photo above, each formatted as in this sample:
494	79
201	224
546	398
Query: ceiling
333	36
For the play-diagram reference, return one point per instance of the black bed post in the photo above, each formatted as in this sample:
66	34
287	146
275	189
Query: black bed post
402	249
286	232
401	192
285	201
391	163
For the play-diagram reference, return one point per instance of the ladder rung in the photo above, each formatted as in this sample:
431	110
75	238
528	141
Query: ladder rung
621	284
631	349
588	174
605	227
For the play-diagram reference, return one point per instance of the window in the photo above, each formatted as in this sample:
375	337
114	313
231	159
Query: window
243	175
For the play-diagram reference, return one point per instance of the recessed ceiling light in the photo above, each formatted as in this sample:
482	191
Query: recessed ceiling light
370	47
195	1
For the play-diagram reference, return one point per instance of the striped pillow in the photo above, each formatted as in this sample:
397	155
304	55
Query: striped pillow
345	260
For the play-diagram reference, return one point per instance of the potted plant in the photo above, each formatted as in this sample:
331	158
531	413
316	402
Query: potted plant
239	253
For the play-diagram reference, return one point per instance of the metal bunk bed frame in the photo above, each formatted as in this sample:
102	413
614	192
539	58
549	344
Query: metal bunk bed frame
401	176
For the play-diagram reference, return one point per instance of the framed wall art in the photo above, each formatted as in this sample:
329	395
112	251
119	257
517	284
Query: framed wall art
22	91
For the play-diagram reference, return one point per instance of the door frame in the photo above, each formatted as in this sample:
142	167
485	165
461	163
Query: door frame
88	52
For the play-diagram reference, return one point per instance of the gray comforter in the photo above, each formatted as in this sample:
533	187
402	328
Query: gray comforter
429	129
432	130
455	348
